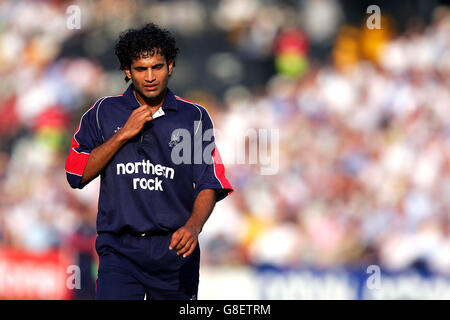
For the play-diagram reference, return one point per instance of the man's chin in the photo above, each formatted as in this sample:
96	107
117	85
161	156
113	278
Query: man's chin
150	94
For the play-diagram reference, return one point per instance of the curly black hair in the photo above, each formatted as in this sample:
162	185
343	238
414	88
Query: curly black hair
146	41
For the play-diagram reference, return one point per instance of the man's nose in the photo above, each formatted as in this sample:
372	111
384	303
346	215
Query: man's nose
149	75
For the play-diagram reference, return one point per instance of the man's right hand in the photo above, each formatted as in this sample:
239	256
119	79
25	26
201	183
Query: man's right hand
100	156
136	122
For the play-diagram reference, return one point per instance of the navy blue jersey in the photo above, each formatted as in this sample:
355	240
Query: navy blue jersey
151	183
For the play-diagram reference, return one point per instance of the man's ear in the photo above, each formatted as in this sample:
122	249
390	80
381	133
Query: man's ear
170	64
127	72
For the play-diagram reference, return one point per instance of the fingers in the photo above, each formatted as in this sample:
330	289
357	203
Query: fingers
176	237
137	120
185	248
190	248
179	240
146	113
184	242
143	111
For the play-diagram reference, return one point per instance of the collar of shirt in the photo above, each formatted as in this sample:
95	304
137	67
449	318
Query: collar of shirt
170	102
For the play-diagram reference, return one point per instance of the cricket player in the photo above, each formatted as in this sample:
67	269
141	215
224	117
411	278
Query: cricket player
161	175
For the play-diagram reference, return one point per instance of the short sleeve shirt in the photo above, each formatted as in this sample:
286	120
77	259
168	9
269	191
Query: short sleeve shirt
151	183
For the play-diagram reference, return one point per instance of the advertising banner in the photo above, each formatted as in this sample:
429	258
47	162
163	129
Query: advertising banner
28	275
365	283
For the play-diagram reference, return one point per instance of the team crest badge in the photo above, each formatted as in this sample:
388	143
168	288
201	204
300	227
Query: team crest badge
175	139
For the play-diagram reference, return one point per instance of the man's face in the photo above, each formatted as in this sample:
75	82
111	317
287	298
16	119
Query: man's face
150	75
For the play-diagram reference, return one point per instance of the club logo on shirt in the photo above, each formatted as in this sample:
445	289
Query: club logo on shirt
175	139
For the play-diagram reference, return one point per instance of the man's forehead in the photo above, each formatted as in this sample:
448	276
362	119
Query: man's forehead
151	57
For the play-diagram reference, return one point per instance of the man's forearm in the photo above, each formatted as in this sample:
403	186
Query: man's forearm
185	239
203	207
101	155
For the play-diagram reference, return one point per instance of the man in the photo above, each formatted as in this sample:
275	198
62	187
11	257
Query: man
155	194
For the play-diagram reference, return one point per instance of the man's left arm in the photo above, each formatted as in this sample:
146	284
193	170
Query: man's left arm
210	183
185	239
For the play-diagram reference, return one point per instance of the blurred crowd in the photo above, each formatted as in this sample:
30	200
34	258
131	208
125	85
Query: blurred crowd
364	159
364	136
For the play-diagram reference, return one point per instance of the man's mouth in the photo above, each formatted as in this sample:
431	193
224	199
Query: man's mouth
151	87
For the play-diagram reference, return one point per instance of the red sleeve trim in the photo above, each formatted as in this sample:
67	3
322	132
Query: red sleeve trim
219	170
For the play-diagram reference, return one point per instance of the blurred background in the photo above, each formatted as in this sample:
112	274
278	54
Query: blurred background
364	142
